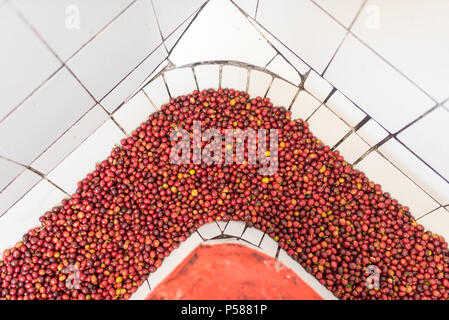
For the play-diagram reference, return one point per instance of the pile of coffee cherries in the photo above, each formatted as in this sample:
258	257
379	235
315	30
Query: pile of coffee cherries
137	206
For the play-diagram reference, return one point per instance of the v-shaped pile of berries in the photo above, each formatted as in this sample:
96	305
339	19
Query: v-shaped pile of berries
136	207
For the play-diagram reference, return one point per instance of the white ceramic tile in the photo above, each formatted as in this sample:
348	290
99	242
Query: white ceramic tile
400	187
156	90
134	112
344	12
372	132
327	127
174	259
104	62
234	228
249	245
209	230
234	77
172	40
428	138
21	185
70	140
180	81
283	69
8	171
258	83
304	105
268	245
57	21
437	222
47	114
221	224
24	215
136	78
416	170
171	13
317	86
207	76
154	74
305	276
281	93
299	16
142	292
253	235
83	159
347	110
22	52
249	6
352	148
376	87
288	54
212	36
409	35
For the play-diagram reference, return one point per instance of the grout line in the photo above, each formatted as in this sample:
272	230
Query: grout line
257	9
269	87
412	180
342	139
395	68
329	95
141	86
31	93
101	30
43	176
248	77
195	78
62	134
196	13
278	251
417	119
118	125
132	70
362	123
334	54
158	24
76	147
149	99
346	35
220	75
375	149
84	87
15	178
299	89
254	23
275	48
374	51
20	198
430	212
268	63
48	180
311	115
371	149
166	85
46	44
429	166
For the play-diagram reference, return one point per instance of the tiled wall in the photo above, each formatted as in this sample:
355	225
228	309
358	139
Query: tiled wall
371	77
65	67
